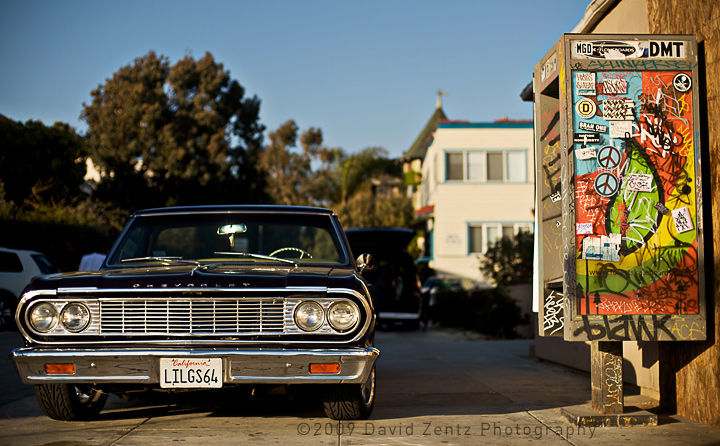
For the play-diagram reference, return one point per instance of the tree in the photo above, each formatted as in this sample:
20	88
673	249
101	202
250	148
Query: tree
313	174
298	177
357	204
180	134
365	209
510	260
48	160
354	171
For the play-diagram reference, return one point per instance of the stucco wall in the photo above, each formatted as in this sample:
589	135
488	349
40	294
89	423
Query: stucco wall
640	360
628	15
686	373
696	365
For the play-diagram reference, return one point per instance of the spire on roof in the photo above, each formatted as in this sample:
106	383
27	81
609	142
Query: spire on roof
440	95
419	147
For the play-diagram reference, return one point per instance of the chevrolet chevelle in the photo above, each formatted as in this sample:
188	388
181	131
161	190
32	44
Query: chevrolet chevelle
201	298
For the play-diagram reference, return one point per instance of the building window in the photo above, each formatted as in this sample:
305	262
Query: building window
495	170
508	166
476	166
454	166
476	238
516	167
484	235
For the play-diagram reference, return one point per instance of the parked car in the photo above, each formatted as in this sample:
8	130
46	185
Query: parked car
434	284
202	298
17	269
395	284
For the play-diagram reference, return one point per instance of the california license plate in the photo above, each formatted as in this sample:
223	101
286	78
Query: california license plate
195	373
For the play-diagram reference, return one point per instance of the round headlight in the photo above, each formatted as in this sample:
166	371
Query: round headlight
309	316
75	317
343	315
43	317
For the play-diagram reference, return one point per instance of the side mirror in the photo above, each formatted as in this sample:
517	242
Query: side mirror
365	262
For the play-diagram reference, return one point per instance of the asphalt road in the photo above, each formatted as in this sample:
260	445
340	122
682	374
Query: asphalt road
434	388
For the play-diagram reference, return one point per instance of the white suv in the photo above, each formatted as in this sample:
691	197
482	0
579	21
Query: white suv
17	269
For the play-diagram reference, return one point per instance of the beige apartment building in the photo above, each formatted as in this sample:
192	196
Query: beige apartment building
477	186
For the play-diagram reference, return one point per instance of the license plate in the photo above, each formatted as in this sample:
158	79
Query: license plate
196	373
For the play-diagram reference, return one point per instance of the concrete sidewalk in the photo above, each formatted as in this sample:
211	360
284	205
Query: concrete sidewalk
436	388
492	391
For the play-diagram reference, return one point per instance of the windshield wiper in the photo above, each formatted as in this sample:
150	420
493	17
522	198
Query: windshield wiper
166	260
258	256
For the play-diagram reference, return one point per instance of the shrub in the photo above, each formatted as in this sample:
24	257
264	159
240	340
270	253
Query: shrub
488	311
63	232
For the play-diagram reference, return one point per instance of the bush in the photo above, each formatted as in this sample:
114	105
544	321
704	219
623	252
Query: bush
510	260
63	232
489	311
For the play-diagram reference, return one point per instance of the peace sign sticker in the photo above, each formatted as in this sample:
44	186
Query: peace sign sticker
609	157
682	82
606	184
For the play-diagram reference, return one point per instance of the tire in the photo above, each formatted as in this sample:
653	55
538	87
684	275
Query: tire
350	401
70	402
8	303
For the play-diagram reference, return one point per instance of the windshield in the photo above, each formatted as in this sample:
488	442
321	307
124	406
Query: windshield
230	237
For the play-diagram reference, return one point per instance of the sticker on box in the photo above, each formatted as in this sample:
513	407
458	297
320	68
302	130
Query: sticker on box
586	153
608	49
621	129
586	138
586	108
618	110
605	248
585	84
592	127
583	228
683	222
641	182
682	82
662	208
613	87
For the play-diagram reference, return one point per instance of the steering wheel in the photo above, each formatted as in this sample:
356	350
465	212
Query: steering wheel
289	248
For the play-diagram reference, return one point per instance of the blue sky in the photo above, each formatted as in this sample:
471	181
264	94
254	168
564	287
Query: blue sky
366	72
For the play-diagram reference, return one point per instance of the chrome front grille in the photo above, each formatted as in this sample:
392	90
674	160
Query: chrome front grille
190	316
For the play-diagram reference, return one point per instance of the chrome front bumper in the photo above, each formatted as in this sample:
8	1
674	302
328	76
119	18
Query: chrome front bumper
240	366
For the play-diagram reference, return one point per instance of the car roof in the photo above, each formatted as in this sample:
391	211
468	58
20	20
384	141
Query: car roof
233	209
25	251
379	238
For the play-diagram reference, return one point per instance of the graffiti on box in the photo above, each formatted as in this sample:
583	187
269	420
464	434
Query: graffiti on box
550	192
635	197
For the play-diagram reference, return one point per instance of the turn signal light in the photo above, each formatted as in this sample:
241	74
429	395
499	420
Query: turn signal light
60	369
327	368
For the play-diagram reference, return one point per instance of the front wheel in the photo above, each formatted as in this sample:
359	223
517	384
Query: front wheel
350	401
70	402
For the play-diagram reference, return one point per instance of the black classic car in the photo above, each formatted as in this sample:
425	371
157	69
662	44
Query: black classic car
202	298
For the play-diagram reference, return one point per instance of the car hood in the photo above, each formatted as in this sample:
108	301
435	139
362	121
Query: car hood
190	276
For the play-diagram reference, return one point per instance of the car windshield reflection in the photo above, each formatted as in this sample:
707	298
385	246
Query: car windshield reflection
208	238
